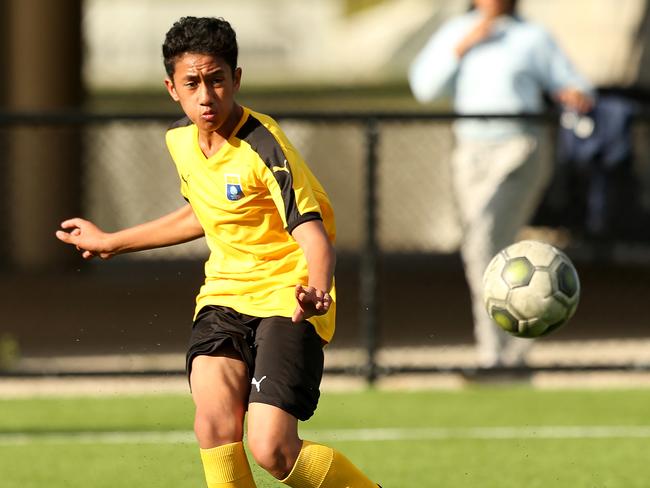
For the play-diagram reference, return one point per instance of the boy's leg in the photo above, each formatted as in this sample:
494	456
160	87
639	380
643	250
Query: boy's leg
275	445
220	388
273	438
286	381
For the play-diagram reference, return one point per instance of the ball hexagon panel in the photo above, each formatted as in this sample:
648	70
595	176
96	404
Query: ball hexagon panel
531	328
504	318
530	301
567	280
518	272
540	255
555	314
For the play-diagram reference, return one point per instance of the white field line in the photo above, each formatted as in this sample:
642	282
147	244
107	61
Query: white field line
347	435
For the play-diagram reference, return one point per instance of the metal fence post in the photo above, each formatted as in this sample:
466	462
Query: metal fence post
43	169
369	257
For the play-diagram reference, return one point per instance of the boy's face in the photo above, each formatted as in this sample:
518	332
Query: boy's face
205	86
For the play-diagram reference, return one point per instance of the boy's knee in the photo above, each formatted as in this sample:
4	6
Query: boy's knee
274	455
214	430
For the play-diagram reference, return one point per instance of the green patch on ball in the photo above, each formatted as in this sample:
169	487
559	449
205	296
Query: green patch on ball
518	272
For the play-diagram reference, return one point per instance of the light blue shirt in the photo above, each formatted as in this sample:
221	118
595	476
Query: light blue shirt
505	74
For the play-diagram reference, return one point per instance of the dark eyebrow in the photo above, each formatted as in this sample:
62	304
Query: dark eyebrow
216	72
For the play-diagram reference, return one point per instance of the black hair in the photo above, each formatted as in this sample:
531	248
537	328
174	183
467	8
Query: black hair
200	35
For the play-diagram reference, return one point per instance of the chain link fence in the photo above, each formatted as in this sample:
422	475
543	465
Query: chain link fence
129	178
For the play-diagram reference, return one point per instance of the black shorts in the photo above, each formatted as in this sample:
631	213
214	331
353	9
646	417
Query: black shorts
284	360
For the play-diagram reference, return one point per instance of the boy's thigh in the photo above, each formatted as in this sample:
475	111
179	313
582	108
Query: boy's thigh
220	382
288	366
222	332
219	359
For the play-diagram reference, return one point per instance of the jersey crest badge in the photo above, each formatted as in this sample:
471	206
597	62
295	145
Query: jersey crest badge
234	190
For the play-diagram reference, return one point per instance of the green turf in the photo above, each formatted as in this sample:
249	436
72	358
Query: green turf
38	459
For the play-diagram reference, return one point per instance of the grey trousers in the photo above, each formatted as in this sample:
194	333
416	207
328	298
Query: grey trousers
498	186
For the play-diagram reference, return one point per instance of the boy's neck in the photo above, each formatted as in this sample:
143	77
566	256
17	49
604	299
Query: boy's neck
211	141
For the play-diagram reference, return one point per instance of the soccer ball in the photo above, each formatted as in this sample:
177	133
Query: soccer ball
530	289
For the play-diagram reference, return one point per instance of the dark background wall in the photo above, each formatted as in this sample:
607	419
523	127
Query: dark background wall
118	307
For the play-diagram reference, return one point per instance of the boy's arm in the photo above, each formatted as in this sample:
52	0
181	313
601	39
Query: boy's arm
314	299
174	228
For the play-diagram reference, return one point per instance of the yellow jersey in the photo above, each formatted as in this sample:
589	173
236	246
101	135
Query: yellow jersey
249	197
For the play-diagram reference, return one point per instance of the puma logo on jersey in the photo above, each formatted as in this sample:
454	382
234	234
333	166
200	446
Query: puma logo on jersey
258	383
284	167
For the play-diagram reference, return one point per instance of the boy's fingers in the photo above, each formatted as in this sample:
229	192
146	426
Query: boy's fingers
63	236
298	315
311	301
325	303
299	289
66	224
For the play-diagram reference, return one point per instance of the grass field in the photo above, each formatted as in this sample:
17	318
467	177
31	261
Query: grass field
484	437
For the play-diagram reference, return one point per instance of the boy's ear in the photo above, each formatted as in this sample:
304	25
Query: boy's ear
237	79
171	89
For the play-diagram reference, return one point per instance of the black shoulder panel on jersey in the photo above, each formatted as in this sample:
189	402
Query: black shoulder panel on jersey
262	142
184	122
269	150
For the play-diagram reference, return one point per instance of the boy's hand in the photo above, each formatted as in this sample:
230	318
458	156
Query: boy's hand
89	239
311	301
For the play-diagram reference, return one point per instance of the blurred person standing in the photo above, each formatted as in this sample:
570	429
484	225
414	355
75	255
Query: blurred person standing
491	61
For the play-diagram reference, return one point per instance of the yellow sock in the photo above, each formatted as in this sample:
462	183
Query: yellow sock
227	467
320	466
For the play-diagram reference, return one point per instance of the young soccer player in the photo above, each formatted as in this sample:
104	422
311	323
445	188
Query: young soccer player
267	305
